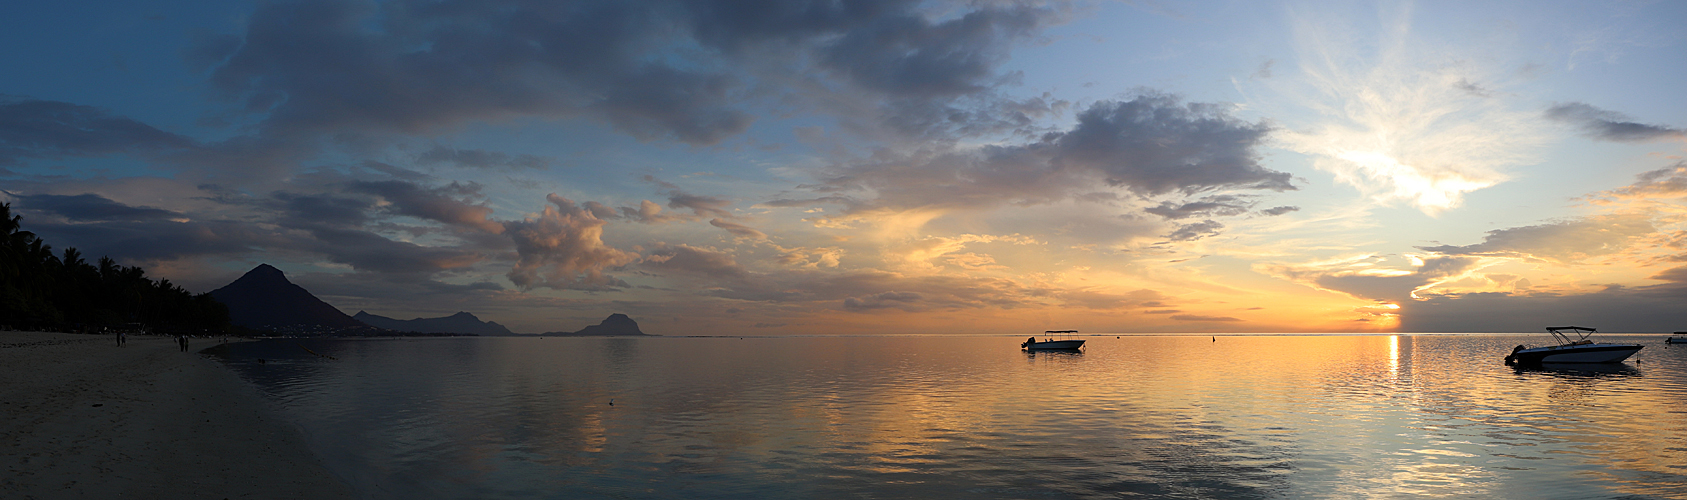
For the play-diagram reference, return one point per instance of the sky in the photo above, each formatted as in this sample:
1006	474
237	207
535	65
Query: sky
798	167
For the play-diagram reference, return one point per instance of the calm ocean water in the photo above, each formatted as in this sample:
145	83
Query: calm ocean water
974	417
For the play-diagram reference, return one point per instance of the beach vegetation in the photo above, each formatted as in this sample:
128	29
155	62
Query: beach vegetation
41	290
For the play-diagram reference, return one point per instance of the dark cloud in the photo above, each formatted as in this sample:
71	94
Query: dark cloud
322	209
1196	317
697	262
50	129
90	207
739	230
1610	125
700	206
1472	89
1195	231
1567	241
153	240
908	301
412	66
480	158
1150	145
906	54
562	247
1674	274
367	251
1667	182
448	204
1615	309
1154	144
1210	206
1365	283
1274	211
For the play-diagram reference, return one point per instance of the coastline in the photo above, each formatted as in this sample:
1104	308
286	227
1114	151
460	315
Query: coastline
83	418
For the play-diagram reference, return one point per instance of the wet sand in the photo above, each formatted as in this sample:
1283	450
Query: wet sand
83	418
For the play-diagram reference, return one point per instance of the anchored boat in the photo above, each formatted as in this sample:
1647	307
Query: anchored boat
1677	340
1054	340
1580	349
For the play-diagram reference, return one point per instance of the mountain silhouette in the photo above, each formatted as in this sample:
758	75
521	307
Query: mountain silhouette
615	325
460	323
263	299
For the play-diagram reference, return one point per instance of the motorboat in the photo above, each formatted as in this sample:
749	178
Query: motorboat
1677	340
1054	340
1580	349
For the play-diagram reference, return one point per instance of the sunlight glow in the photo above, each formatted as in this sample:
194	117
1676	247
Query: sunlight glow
1404	123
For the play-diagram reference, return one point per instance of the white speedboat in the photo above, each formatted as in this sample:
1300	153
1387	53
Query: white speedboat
1054	340
1581	349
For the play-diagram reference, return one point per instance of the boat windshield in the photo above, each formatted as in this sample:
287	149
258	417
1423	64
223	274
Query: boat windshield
1563	333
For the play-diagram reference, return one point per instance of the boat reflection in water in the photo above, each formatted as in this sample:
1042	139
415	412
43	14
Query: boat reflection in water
1579	370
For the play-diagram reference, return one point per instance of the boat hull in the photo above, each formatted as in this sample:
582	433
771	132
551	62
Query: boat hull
1587	353
1056	345
1676	340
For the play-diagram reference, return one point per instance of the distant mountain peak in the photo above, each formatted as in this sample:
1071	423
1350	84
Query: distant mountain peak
616	324
264	273
461	323
264	298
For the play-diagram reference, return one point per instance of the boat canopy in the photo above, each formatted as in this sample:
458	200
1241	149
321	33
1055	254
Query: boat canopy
1060	331
1581	334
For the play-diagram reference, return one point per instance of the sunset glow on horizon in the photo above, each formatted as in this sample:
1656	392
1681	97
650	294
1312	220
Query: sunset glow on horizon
803	168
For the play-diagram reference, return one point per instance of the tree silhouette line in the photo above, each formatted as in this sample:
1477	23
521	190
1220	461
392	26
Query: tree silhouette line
43	291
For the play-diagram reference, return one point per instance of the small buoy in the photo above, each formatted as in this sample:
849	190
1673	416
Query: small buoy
611	401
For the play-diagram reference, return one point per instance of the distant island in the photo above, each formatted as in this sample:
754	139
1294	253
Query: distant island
616	325
460	323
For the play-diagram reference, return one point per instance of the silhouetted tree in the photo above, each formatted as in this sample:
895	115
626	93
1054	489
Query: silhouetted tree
38	289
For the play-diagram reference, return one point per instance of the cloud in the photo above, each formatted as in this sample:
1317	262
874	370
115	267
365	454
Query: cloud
480	158
1674	274
1664	183
50	129
89	207
1196	317
1210	206
409	68
1610	125
1360	277
700	206
1150	145
367	251
1565	242
902	300
562	247
1614	309
1398	122
1154	144
443	204
1274	211
1195	231
738	230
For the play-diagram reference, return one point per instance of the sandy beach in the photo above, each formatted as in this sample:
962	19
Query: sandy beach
83	418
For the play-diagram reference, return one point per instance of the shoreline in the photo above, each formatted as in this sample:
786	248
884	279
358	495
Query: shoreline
83	418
